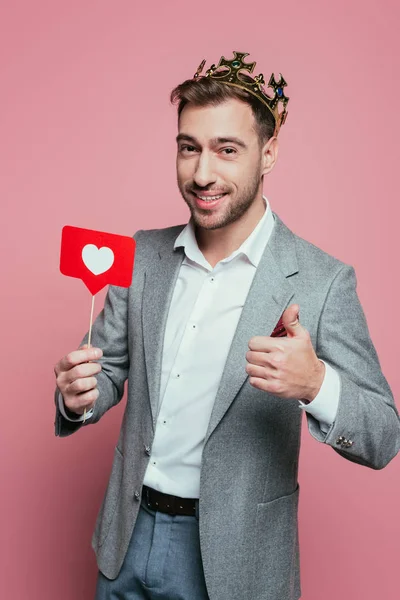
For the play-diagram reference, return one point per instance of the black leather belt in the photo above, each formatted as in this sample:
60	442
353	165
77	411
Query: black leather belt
172	505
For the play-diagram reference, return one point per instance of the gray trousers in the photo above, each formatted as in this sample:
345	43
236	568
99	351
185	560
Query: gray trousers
163	561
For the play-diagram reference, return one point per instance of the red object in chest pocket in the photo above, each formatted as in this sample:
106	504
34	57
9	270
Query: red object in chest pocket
279	329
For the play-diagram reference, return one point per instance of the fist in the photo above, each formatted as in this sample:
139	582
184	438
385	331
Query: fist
75	378
286	366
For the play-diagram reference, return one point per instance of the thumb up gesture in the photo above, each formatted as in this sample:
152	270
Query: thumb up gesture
286	366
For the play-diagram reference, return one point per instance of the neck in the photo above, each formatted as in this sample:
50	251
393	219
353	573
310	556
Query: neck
217	244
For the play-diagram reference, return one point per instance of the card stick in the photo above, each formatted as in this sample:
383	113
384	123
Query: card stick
91	322
89	340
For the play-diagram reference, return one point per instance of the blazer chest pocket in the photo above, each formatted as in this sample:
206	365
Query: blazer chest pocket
276	548
110	500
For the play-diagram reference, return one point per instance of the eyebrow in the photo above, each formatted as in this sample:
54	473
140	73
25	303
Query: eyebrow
214	141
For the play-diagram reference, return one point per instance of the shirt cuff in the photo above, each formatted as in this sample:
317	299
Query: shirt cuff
79	418
324	407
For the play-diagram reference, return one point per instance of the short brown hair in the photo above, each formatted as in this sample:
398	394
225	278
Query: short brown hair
206	91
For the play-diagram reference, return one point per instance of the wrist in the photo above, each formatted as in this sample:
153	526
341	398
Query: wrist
316	382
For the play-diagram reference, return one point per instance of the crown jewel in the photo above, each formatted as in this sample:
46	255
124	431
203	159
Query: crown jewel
229	72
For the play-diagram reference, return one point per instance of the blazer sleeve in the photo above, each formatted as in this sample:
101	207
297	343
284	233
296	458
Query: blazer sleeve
110	333
367	425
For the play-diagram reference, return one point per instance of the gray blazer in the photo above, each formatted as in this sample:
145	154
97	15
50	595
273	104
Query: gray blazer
249	490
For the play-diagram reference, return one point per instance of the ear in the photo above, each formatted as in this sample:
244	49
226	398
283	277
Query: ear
269	155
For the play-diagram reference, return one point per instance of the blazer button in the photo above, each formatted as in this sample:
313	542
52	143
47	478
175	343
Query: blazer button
137	496
340	440
147	449
348	444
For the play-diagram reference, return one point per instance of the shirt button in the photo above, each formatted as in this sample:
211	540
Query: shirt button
137	496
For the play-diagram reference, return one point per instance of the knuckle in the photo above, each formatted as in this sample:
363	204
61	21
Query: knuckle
79	371
277	358
80	385
60	383
69	360
96	368
273	362
266	360
275	387
70	404
272	388
92	395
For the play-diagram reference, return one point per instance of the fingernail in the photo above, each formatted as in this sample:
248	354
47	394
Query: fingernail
98	353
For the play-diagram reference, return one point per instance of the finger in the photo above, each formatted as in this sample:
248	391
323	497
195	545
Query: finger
263	359
266	385
261	343
87	369
79	356
262	372
290	320
83	401
65	378
81	385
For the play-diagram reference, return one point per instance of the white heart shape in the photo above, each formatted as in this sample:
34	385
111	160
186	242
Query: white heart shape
97	260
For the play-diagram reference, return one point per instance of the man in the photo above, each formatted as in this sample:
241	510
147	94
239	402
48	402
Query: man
203	494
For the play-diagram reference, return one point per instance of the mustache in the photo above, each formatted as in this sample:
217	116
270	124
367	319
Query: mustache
191	187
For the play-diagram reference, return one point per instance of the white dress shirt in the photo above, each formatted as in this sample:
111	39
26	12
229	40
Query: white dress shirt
204	312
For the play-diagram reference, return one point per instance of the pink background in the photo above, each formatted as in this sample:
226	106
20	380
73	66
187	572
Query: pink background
87	139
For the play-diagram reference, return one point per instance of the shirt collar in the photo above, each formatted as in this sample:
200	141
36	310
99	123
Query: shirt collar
253	246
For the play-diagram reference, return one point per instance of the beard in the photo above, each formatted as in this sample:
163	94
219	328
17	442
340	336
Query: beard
231	211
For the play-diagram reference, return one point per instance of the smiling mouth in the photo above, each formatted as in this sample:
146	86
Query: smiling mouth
208	197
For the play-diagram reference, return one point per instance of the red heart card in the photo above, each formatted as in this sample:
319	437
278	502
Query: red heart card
97	258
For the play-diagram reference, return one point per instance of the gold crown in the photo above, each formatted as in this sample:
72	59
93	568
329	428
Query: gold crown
228	72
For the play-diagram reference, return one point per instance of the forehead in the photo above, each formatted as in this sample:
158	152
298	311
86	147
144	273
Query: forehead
230	118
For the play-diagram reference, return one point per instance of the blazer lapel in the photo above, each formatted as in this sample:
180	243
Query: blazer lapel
269	295
160	279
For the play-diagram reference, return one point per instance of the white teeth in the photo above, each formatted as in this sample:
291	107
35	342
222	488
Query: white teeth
209	198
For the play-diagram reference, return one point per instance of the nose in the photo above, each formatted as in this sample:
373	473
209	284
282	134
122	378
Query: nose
204	174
